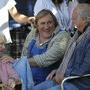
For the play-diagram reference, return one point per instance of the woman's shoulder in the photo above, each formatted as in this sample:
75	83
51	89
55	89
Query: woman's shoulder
63	33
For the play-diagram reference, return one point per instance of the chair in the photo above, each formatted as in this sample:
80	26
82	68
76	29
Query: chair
72	77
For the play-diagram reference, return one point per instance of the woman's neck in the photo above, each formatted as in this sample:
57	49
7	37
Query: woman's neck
42	39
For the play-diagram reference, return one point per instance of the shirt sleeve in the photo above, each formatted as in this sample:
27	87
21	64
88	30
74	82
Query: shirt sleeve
11	3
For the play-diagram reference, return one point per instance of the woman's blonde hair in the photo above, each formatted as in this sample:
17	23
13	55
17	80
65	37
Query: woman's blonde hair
2	37
43	13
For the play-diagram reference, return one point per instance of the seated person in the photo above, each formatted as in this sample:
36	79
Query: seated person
13	71
45	45
8	76
76	61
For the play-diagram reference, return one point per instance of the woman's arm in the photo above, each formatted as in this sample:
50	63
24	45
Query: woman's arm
55	51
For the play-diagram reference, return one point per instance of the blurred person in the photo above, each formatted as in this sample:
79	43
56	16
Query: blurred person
8	76
14	71
6	7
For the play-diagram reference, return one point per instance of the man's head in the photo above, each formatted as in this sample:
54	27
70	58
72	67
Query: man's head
2	43
81	16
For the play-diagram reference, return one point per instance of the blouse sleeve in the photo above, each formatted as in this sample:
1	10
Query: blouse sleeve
11	3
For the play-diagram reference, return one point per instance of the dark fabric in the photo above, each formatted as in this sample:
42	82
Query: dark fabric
31	4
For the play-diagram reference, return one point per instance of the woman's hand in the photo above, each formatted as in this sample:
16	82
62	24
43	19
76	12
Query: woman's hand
6	58
58	77
51	75
31	20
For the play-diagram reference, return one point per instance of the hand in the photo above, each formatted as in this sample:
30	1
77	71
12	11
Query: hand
6	58
58	77
51	75
11	83
31	20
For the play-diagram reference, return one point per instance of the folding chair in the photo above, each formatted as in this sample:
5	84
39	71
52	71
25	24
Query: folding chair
72	77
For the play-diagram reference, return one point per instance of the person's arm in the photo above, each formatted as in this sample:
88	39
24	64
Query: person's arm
32	62
21	18
58	77
54	53
6	58
51	74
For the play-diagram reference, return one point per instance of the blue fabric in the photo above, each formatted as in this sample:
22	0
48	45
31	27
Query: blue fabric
39	73
23	69
51	85
33	49
67	86
44	85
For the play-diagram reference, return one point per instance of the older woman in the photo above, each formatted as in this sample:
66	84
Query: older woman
12	71
8	75
45	45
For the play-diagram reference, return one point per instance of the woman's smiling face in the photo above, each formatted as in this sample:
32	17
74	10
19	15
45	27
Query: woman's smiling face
46	26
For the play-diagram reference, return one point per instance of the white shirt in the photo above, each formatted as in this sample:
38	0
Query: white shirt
5	5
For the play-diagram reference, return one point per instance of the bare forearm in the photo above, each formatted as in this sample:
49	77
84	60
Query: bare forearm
20	18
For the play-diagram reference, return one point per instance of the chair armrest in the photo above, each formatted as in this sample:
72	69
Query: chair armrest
72	77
